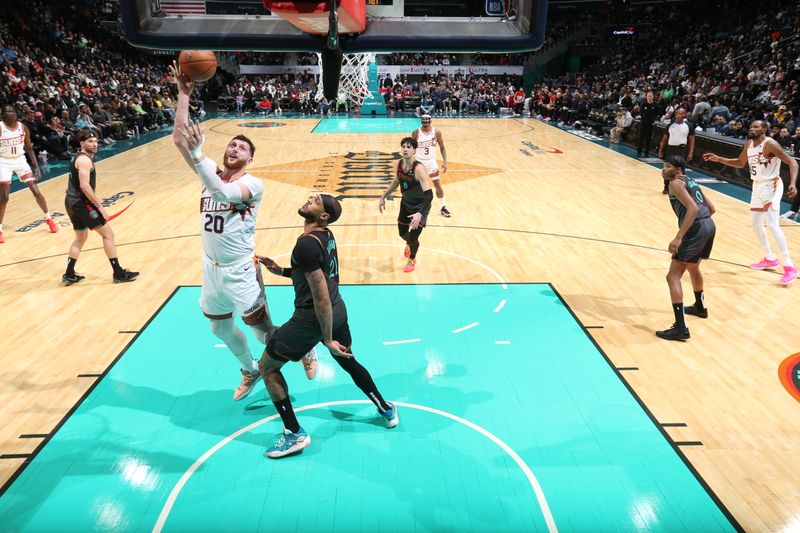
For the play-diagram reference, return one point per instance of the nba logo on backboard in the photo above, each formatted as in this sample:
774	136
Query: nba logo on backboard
494	8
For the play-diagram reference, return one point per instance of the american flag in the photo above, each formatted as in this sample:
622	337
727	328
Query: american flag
184	7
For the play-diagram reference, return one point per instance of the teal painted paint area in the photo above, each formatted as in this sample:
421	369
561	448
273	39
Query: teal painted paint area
367	125
545	391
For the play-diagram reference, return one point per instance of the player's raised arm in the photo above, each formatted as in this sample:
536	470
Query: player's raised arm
185	87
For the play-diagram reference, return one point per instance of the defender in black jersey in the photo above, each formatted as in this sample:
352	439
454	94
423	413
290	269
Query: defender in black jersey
691	245
87	212
320	315
415	204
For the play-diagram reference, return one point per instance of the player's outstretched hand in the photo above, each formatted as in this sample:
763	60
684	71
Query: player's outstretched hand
336	348
184	83
382	204
708	156
194	136
271	265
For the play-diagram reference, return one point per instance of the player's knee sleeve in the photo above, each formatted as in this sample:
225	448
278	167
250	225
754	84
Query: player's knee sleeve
773	220
222	328
756	220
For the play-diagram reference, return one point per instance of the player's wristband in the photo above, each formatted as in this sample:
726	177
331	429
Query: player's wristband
196	153
286	272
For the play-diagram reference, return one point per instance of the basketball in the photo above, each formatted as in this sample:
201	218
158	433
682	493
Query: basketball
199	65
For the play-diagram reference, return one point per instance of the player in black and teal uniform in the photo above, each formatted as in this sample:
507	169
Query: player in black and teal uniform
691	245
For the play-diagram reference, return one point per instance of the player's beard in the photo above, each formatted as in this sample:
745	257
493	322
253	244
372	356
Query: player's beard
306	215
237	165
751	135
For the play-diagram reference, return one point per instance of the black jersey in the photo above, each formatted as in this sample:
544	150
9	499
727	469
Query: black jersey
313	250
413	196
74	193
697	195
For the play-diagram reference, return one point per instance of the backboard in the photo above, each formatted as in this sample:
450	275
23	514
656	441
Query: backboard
186	25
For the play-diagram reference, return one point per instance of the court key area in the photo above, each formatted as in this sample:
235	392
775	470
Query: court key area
511	419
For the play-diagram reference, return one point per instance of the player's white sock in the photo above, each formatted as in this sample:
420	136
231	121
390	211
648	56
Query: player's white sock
773	221
1	227
441	202
757	223
47	215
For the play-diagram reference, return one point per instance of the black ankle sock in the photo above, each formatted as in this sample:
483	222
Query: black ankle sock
699	303
115	265
71	267
288	417
363	380
680	322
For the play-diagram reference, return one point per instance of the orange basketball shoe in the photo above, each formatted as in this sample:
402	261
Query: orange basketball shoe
410	265
407	252
249	381
52	225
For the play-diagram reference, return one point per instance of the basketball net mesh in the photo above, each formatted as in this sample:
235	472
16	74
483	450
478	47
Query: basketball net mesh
354	78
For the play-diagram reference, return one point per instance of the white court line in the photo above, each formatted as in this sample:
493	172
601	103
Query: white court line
502	342
465	328
537	488
500	306
387	343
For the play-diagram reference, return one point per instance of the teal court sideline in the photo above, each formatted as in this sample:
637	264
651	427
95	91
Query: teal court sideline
511	419
367	125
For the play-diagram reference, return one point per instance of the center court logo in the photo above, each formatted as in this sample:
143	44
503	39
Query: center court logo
261	124
789	374
356	174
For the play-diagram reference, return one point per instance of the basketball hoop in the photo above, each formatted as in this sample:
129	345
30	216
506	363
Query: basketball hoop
353	79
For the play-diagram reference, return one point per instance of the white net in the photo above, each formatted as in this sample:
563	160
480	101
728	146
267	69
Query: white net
354	78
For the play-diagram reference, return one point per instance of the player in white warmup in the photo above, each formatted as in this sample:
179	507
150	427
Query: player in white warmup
428	139
764	155
228	207
15	142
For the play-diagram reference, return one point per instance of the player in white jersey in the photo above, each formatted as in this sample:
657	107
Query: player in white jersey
15	142
228	209
428	139
764	155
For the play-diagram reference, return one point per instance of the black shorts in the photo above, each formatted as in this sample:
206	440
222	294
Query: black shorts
84	215
405	212
295	338
697	243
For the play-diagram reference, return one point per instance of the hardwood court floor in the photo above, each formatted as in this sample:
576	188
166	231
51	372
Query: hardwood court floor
570	212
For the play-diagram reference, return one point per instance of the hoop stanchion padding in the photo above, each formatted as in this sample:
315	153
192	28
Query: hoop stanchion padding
312	17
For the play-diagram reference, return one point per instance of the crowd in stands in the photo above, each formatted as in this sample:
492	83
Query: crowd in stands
63	72
726	72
